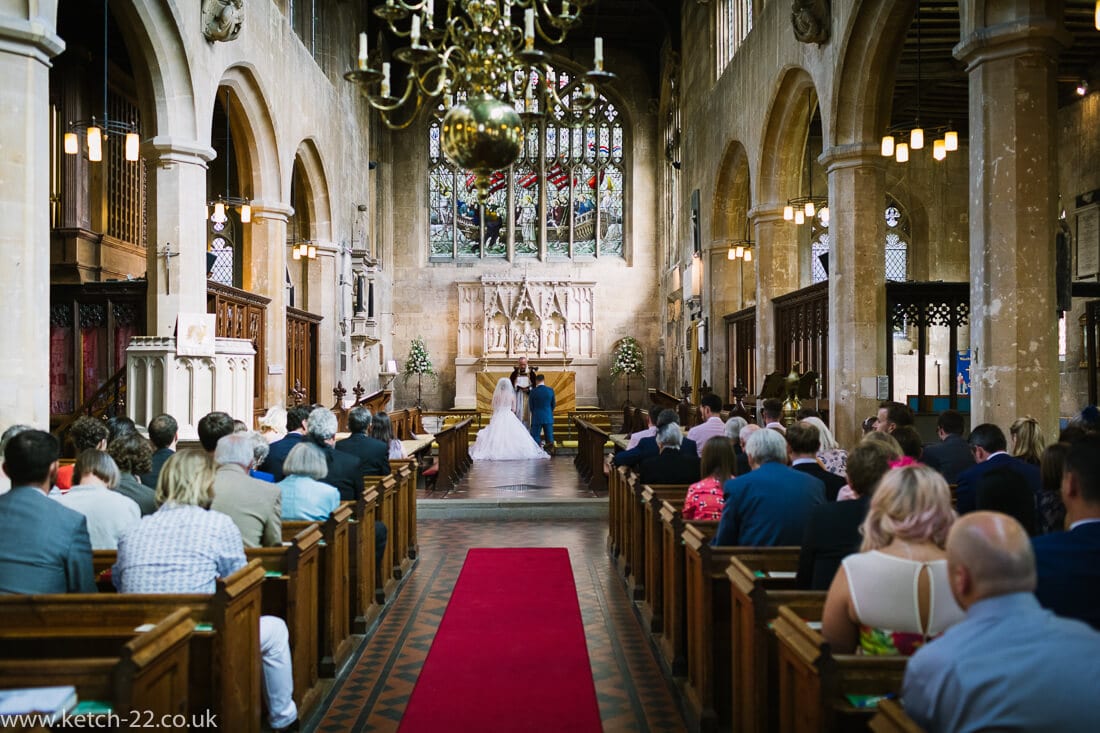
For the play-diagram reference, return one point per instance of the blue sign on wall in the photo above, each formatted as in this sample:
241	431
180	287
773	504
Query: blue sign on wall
962	372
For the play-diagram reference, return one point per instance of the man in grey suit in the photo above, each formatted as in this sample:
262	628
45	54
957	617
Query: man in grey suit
255	506
44	546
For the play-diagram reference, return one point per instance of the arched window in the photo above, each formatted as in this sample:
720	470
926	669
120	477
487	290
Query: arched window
563	198
895	246
220	236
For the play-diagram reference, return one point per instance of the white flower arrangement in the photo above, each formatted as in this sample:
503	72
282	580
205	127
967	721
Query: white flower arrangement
627	359
418	363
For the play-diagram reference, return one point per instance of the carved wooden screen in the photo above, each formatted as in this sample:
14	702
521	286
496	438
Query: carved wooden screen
802	331
741	350
90	327
921	305
301	353
242	315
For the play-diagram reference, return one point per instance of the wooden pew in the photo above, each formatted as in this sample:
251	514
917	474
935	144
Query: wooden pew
224	662
590	450
291	591
813	681
653	497
755	597
454	455
384	583
146	675
708	621
404	511
334	601
891	718
616	490
673	641
361	567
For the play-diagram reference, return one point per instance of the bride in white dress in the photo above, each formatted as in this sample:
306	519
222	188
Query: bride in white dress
505	438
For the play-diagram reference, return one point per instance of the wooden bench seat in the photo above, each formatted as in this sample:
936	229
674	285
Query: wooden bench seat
673	641
334	599
361	566
453	458
146	674
708	621
652	551
755	598
591	442
224	659
813	682
291	591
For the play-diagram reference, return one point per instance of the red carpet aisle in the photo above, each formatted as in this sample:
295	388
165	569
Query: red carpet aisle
510	653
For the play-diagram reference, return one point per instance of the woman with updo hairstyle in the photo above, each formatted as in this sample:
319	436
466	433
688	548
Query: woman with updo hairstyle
894	595
1028	442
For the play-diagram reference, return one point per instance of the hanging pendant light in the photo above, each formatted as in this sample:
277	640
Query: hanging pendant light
901	153
951	141
887	146
939	149
801	208
96	133
244	205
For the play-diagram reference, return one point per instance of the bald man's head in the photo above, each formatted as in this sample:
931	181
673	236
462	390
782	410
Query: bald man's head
989	554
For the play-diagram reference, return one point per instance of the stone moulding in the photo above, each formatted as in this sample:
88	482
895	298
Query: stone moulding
811	20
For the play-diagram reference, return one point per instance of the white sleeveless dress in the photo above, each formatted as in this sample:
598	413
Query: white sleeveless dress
505	438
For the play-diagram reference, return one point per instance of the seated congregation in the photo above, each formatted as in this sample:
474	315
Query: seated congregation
275	545
960	576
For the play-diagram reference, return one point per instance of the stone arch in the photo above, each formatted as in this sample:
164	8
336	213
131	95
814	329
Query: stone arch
732	194
784	140
166	94
307	161
862	95
254	137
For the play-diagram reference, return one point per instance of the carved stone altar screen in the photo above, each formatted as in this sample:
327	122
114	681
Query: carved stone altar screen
551	322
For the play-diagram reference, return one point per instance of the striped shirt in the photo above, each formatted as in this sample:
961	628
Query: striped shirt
178	549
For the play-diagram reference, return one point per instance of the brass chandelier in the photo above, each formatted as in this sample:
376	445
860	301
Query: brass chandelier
481	74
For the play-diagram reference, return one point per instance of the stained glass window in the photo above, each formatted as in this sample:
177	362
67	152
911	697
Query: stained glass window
563	198
896	245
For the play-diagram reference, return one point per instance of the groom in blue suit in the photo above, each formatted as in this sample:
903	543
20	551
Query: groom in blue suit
541	401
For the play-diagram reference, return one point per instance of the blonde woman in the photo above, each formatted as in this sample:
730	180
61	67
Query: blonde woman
833	458
894	595
1028	442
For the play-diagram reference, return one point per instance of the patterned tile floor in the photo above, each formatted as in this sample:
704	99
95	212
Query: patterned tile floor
633	695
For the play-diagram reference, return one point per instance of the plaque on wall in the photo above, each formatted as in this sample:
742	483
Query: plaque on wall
1088	235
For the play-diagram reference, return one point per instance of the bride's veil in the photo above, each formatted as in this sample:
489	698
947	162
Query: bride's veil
504	396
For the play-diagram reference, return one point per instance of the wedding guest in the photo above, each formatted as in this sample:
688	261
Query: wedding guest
988	443
86	433
894	595
134	456
295	432
951	455
109	513
831	455
11	432
273	423
305	496
253	505
1028	442
118	426
163	434
1052	511
892	415
710	409
651	420
803	445
771	412
909	440
705	498
381	428
671	465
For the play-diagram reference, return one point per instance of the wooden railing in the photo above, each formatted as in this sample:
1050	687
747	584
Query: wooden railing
108	401
741	350
802	332
301	353
242	315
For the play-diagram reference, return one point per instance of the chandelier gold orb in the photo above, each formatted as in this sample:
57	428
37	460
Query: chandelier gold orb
475	66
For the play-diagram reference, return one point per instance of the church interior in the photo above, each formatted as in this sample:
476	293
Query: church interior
221	205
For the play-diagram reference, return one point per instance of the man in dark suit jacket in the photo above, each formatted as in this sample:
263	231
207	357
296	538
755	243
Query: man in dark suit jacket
671	465
372	455
832	532
344	470
647	447
295	431
988	443
770	505
803	442
163	434
951	456
542	401
44	546
1068	563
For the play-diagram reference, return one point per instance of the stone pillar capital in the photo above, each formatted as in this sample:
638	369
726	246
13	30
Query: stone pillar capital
766	213
271	210
167	150
1015	38
30	37
852	155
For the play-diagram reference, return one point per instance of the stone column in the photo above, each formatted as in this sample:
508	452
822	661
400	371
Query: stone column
268	278
27	43
857	285
1013	190
324	295
776	274
176	244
